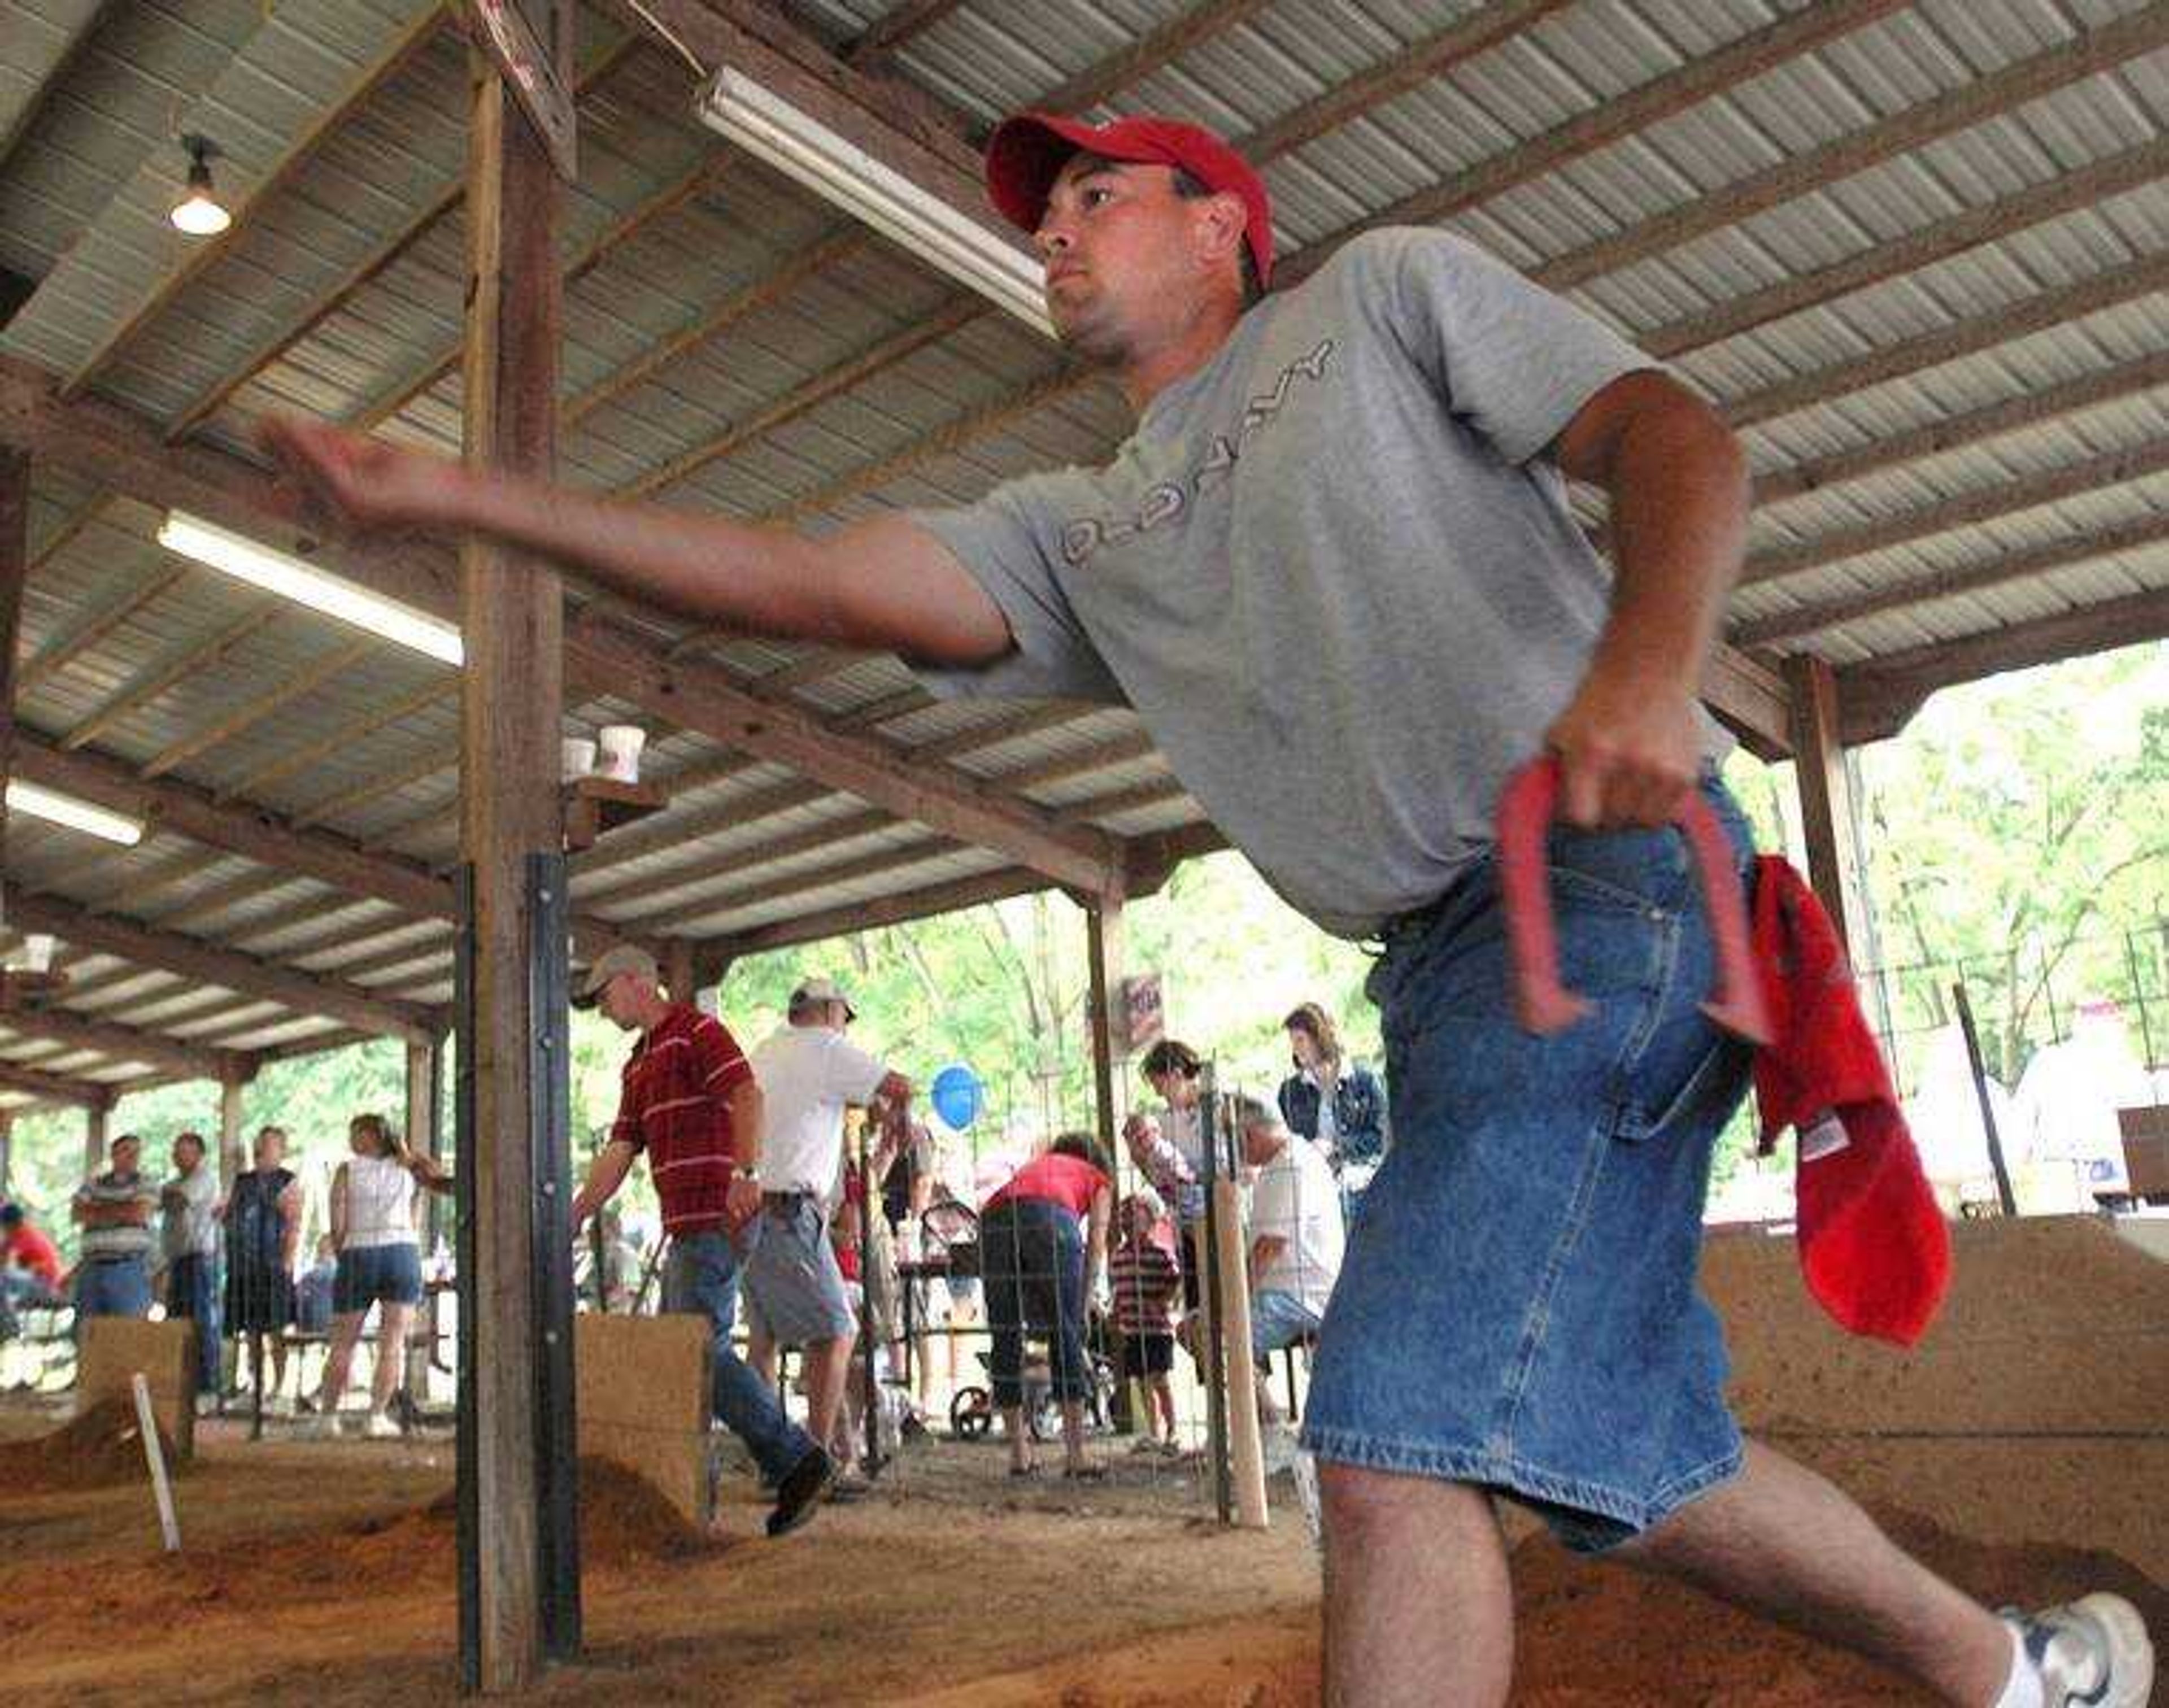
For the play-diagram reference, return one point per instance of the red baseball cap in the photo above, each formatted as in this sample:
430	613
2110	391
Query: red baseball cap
1027	152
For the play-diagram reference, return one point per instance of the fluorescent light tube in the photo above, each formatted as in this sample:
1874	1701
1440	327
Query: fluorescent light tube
838	171
276	571
77	815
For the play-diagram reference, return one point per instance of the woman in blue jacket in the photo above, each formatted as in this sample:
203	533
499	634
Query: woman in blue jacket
1336	1103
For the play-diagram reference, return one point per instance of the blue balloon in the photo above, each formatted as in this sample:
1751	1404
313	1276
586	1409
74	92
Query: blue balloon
956	1094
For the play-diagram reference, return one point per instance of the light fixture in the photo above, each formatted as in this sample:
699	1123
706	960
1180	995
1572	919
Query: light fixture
838	171
56	808
200	213
274	572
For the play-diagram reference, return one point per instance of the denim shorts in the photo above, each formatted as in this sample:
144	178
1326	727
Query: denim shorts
1278	1319
794	1291
372	1274
1519	1308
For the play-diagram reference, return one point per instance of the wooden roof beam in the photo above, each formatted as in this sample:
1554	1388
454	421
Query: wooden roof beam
1940	438
1972	509
246	974
202	256
690	693
53	1088
1610	121
1967	335
2088	54
1877	698
120	1043
253	834
448	200
199	653
864	916
2089	545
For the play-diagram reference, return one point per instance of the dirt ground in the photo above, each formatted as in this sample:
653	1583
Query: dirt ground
322	1573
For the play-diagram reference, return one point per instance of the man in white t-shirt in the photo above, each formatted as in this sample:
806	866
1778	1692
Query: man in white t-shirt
808	1073
1296	1238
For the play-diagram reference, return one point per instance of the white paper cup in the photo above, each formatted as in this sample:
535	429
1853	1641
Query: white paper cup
620	748
38	952
577	757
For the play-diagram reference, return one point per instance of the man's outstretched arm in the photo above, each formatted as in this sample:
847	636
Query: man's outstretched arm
886	582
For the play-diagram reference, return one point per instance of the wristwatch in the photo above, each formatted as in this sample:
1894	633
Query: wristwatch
744	1173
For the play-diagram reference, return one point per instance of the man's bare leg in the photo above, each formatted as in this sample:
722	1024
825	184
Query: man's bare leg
760	1354
1419	1612
827	1362
1781	1541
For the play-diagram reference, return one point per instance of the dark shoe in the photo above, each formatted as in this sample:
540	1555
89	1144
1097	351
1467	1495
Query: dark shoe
801	1490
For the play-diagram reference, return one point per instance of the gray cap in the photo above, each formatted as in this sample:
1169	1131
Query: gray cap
822	990
626	957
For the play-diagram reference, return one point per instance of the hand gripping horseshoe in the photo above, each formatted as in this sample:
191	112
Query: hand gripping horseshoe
1541	1003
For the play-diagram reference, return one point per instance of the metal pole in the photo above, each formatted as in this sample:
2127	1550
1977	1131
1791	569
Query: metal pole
1215	1368
869	1207
556	1447
469	1483
599	1255
2003	1192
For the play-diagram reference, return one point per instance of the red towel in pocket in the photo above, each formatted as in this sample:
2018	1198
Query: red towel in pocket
1873	1245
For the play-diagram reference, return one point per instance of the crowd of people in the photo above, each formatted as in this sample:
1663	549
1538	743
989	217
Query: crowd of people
142	1242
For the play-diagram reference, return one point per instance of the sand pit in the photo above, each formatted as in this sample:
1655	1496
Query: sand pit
101	1447
323	1573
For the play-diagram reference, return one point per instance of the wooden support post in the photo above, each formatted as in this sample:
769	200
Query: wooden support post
14	572
231	1161
93	1140
1245	1443
1103	928
1826	803
6	1152
1103	951
511	618
425	1133
679	977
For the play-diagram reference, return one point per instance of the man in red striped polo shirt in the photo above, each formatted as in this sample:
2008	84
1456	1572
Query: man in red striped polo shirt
690	1101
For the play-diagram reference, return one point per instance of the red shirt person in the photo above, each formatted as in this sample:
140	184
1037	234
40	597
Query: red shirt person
1043	1246
22	1245
691	1103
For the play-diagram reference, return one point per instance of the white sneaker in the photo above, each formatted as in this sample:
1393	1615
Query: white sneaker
2093	1651
278	1406
1306	1489
380	1427
324	1426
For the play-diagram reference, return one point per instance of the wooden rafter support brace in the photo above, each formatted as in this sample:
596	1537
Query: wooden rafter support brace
528	66
14	575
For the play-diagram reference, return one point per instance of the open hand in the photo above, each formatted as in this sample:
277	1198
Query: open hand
352	481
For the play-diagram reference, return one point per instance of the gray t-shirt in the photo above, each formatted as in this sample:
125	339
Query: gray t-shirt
1332	569
190	1222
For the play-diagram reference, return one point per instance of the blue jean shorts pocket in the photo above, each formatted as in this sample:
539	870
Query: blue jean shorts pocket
1702	1102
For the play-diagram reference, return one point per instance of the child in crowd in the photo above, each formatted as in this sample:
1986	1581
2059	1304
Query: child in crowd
1147	1280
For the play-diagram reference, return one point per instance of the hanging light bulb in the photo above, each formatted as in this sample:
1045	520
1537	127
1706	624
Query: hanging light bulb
200	213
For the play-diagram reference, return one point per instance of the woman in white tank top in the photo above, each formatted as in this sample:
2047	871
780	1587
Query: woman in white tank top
375	1212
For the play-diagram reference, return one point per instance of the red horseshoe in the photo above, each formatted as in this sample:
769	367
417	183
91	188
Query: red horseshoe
1542	1002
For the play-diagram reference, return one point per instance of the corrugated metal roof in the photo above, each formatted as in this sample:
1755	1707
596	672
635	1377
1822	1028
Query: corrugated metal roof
1646	156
